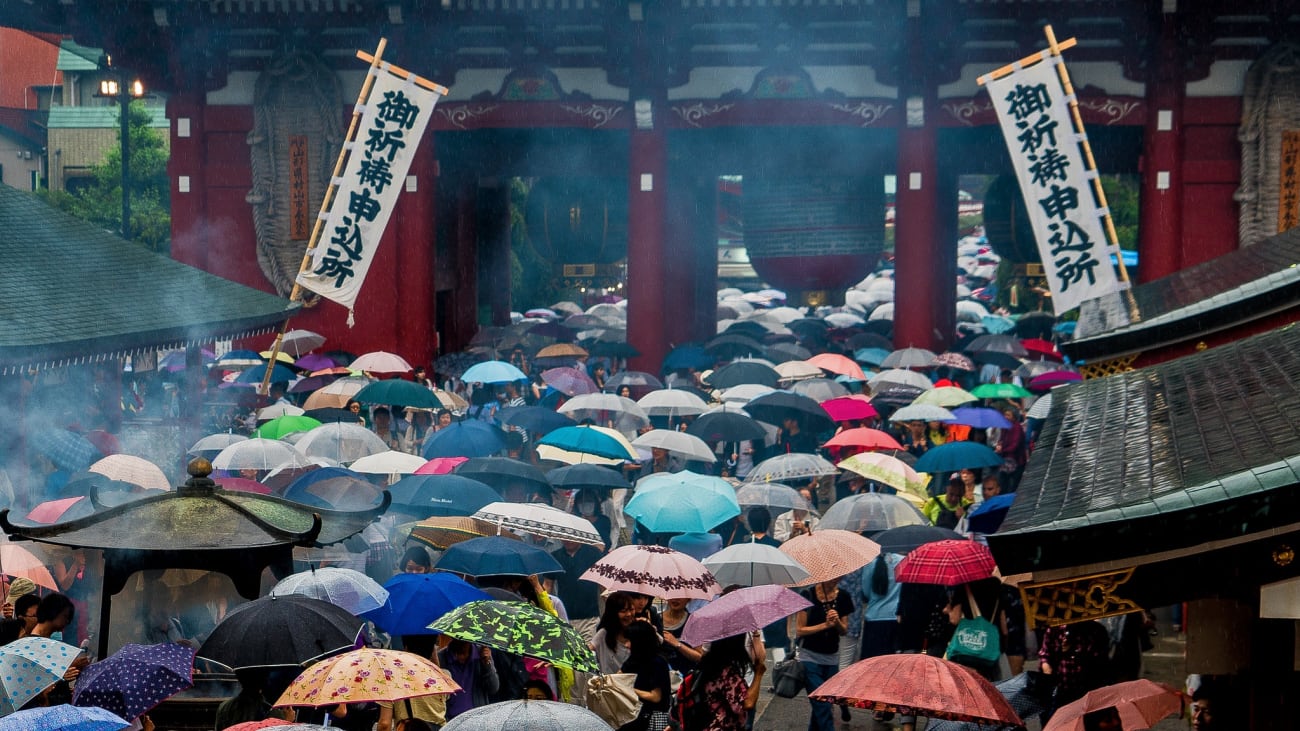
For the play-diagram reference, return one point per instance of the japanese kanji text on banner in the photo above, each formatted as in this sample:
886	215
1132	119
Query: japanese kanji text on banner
1035	117
391	125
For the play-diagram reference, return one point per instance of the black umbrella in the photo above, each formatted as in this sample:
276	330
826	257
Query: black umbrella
1036	325
725	426
612	349
284	630
993	357
502	471
586	476
869	340
997	344
330	415
905	539
455	364
635	380
781	352
747	327
732	345
443	495
777	406
742	372
553	330
535	419
895	397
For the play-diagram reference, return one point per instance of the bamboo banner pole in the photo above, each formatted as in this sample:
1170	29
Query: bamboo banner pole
1029	60
296	294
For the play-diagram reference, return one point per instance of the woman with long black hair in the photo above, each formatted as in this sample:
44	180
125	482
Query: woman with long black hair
716	697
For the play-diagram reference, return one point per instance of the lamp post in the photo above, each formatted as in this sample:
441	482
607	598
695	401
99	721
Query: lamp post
123	91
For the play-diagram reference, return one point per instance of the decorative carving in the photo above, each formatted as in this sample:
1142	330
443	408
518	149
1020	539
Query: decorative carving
782	82
977	110
869	112
966	111
693	114
531	84
1082	598
1114	110
599	114
1101	369
459	114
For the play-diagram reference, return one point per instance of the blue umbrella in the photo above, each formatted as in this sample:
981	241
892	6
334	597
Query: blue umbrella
416	601
997	324
955	456
324	473
136	678
871	356
589	441
469	438
67	450
430	495
681	508
30	665
535	419
241	358
494	556
987	517
493	371
980	418
687	356
64	718
279	374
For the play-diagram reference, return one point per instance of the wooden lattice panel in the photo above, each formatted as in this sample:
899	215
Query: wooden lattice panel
1051	603
1101	369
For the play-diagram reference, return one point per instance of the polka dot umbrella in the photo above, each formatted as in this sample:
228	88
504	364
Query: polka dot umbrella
136	678
29	666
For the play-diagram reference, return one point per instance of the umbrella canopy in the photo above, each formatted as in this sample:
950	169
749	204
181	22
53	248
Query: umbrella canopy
675	442
1139	703
527	716
755	564
899	377
887	470
30	665
792	467
1041	408
135	470
212	444
953	360
797	370
905	539
820	389
633	380
341	442
259	454
240	359
539	519
569	381
840	365
955	456
522	629
946	396
654	571
587	477
497	556
63	509
493	371
535	419
772	495
947	563
67	450
987	516
348	589
17	562
776	407
414	601
681	505
133	680
441	494
848	408
918	685
274	410
744	371
922	412
466	438
672	402
300	342
686	356
726	426
64	718
280	630
589	440
254	375
1004	344
282	426
830	554
500	472
367	675
442	532
864	438
980	418
606	408
744	610
909	358
397	392
1051	379
390	462
1000	390
380	362
871	511
341	492
441	465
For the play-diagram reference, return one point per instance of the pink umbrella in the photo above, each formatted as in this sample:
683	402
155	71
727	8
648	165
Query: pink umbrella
52	511
1051	379
838	364
655	571
243	484
380	362
569	381
18	562
440	465
135	470
864	438
741	611
847	408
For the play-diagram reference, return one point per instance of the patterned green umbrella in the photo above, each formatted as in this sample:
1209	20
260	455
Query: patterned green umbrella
519	628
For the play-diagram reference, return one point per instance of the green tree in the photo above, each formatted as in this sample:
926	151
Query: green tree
101	201
1122	193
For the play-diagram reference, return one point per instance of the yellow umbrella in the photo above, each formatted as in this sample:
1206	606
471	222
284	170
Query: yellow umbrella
367	675
282	356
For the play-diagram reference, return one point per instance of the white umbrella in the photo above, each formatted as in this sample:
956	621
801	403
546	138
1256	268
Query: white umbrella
260	454
909	358
945	396
274	411
754	564
672	402
900	377
381	362
210	445
602	408
843	319
348	589
388	463
922	412
745	392
135	470
676	442
300	342
341	442
883	312
1041	408
537	519
798	370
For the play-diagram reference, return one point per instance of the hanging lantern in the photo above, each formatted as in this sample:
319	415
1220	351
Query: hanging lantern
580	226
1006	222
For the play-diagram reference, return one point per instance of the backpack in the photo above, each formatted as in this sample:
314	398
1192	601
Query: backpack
976	642
690	709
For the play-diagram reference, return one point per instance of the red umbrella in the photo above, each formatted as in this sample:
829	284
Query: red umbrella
440	465
847	408
1140	703
947	563
1041	348
918	685
864	438
243	484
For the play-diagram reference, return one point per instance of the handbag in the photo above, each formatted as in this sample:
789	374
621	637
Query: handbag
613	698
976	642
788	676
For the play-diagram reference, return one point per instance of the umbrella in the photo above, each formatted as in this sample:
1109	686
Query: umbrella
397	392
274	410
905	539
30	665
603	408
887	470
838	364
864	438
441	465
1004	344
341	442
980	418
654	571
240	359
455	364
493	371
773	495
539	519
681	507
1051	379
946	396
521	629
255	375
380	362
848	408
744	393
527	716
872	356
900	377
535	419
17	562
569	381
955	456
441	494
919	685
820	389
349	589
497	556
777	406
634	380
742	372
792	467
390	462
367	675
133	680
741	611
135	470
64	717
1041	408
785	352
341	492
67	450
259	454
443	532
1140	704
987	516
726	426
947	563
676	442
1000	390
301	342
909	358
1040	348
586	477
315	362
589	440
687	356
922	412
465	438
280	630
501	472
414	601
754	564
212	444
830	554
282	426
871	511
953	360
63	509
672	402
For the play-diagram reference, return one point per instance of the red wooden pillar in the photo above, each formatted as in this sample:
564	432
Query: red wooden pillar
185	169
648	308
1161	208
923	289
416	224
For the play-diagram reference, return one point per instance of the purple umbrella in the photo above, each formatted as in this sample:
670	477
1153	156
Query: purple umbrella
136	678
312	383
980	418
569	381
315	362
741	611
1049	380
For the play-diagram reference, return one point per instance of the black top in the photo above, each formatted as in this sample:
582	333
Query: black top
651	673
581	598
826	642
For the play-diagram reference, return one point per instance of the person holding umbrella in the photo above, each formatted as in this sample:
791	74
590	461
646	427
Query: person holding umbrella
819	629
716	697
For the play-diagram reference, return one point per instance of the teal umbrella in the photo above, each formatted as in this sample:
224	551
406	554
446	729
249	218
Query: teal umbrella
1000	390
955	456
685	506
493	371
589	441
396	392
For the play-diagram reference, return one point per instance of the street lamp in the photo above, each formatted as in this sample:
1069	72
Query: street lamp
123	92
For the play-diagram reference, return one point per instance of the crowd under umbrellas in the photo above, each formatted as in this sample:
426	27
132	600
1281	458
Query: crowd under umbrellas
534	485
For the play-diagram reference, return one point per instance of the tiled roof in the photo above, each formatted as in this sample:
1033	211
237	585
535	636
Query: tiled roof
75	57
26	124
1193	450
72	292
100	117
1226	291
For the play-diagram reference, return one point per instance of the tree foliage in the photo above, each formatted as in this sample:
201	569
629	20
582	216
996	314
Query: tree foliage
101	201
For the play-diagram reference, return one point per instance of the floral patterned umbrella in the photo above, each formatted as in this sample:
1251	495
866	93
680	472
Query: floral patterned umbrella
521	629
367	675
654	571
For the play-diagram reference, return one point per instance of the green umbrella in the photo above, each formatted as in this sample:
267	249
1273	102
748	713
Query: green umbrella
521	629
1000	390
281	426
396	392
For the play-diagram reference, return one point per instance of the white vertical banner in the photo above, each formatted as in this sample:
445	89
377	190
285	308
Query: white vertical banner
1037	125
392	123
